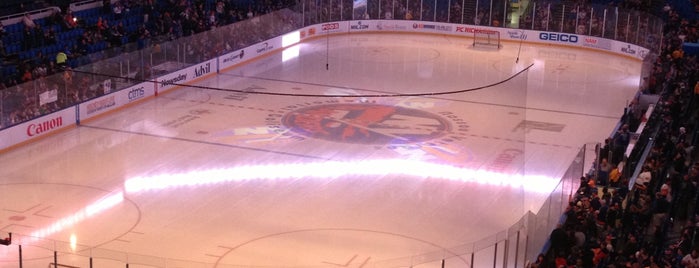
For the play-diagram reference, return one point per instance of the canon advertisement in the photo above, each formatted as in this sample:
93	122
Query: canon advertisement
37	128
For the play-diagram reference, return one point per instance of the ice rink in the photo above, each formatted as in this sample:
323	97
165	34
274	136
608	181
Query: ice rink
221	174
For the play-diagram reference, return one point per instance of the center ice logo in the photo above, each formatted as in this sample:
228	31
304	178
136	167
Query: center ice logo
366	123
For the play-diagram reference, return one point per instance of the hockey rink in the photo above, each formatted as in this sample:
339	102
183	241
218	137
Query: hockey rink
231	174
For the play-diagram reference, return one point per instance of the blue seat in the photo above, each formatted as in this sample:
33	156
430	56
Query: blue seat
14	28
16	48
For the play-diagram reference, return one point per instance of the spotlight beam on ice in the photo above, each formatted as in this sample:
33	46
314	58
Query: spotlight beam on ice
89	211
336	169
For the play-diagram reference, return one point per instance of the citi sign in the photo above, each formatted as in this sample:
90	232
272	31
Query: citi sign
48	125
559	37
235	56
136	93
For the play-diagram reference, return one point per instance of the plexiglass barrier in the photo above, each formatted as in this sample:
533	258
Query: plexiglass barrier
148	58
118	68
511	247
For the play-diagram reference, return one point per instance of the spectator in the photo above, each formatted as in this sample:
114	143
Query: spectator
3	32
691	260
28	22
117	10
69	21
62	58
644	178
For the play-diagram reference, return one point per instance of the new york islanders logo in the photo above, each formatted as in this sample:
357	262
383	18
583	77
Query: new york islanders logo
366	123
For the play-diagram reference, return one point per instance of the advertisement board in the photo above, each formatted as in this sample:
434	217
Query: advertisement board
231	59
394	26
94	107
170	81
333	27
38	127
266	47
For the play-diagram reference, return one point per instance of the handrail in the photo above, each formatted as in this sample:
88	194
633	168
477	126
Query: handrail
35	14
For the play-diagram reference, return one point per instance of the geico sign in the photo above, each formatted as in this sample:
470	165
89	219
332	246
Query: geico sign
570	38
38	128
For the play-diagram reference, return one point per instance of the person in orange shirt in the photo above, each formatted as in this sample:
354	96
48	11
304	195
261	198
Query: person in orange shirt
614	176
27	76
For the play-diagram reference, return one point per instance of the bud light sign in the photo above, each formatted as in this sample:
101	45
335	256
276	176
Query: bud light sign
559	37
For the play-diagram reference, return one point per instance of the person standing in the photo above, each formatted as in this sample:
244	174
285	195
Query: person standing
691	260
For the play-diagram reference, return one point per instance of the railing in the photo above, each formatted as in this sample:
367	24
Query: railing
112	70
34	14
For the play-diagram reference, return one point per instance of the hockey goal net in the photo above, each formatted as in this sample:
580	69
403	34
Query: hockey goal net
486	38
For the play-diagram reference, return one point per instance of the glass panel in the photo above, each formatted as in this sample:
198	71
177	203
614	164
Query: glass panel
610	20
497	18
634	26
427	10
456	10
485	257
443	10
569	18
399	9
557	17
373	9
542	16
483	15
359	10
514	12
596	21
335	10
470	9
644	34
347	8
413	9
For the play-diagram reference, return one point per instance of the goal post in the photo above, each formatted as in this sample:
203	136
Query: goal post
486	38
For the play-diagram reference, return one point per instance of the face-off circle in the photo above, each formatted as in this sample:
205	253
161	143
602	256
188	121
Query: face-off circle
364	123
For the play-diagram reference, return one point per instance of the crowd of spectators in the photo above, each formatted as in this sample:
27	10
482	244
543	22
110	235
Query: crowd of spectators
619	21
655	224
116	27
156	18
